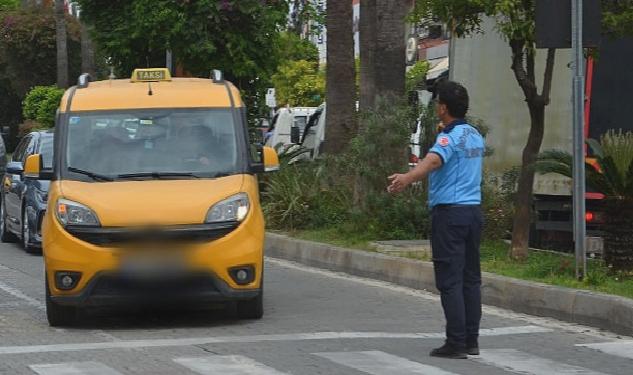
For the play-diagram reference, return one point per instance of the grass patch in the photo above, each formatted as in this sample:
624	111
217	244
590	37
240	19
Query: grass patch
554	269
334	236
545	267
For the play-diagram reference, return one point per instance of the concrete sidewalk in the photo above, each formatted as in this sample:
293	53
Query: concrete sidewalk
604	311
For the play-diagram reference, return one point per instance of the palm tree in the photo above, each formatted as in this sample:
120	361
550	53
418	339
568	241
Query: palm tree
87	51
611	175
62	44
341	77
390	50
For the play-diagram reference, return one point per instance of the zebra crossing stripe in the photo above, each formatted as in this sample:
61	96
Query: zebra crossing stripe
157	343
523	363
381	363
226	365
74	368
618	348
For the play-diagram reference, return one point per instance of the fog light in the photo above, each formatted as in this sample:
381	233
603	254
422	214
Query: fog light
243	275
66	280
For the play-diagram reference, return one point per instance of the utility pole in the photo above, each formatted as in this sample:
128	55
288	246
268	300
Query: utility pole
579	141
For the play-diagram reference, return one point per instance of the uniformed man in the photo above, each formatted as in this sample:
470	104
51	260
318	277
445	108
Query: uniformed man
454	167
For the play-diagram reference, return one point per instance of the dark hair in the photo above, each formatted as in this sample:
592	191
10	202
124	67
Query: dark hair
454	96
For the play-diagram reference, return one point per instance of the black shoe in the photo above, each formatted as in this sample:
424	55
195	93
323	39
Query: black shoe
449	351
472	347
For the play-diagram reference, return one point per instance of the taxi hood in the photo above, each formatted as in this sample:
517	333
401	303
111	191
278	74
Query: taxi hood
151	202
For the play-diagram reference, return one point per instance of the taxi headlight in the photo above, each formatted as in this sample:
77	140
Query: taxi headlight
73	213
234	208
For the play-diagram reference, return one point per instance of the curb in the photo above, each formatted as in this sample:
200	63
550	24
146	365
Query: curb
599	310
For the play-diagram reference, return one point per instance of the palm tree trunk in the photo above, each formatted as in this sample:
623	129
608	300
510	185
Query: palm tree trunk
62	44
367	55
341	77
390	55
87	51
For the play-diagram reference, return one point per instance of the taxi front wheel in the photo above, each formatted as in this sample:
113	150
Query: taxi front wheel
59	315
251	309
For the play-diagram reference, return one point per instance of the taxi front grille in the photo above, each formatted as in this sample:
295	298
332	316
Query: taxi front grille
114	236
120	285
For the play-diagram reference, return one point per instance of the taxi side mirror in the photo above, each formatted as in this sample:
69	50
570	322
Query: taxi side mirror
33	168
271	159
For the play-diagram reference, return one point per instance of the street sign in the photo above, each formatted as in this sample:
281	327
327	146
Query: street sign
271	100
554	23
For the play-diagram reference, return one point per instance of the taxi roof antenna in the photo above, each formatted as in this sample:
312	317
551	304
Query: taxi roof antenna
150	92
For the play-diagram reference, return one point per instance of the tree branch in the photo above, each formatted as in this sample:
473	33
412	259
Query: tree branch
528	86
547	77
531	64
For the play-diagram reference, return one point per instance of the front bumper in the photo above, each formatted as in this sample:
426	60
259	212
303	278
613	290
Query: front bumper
114	289
100	262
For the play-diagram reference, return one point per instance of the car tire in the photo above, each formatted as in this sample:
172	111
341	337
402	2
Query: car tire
26	234
252	308
5	235
59	315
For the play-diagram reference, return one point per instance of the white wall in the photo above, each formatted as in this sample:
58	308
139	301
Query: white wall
482	64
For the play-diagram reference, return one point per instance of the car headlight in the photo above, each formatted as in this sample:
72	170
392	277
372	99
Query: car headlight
234	208
73	213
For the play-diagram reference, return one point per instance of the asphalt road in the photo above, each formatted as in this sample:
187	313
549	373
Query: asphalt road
316	322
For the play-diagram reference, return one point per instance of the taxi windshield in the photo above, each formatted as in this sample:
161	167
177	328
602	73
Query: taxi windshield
152	144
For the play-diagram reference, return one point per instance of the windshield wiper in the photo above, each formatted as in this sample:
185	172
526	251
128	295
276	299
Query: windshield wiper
158	175
94	176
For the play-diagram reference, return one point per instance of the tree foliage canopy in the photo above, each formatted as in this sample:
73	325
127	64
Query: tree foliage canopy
299	83
293	48
9	5
515	18
28	55
28	48
238	37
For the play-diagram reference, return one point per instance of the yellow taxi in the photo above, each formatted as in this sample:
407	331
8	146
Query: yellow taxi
154	196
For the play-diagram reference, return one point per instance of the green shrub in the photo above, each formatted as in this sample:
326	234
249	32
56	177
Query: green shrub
300	197
497	206
41	105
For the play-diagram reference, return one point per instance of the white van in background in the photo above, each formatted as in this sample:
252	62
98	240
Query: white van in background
314	133
283	123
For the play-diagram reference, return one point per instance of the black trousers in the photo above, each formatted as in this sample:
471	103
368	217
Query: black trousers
455	239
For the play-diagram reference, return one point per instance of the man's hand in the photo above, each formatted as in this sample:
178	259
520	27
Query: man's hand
399	182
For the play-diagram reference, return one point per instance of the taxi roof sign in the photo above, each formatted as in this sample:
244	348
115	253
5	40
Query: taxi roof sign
151	75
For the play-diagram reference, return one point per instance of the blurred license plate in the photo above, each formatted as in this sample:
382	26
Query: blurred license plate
152	263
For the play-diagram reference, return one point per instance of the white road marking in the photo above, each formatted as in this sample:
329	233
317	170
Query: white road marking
18	294
127	344
226	365
424	294
622	348
380	363
74	368
524	363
